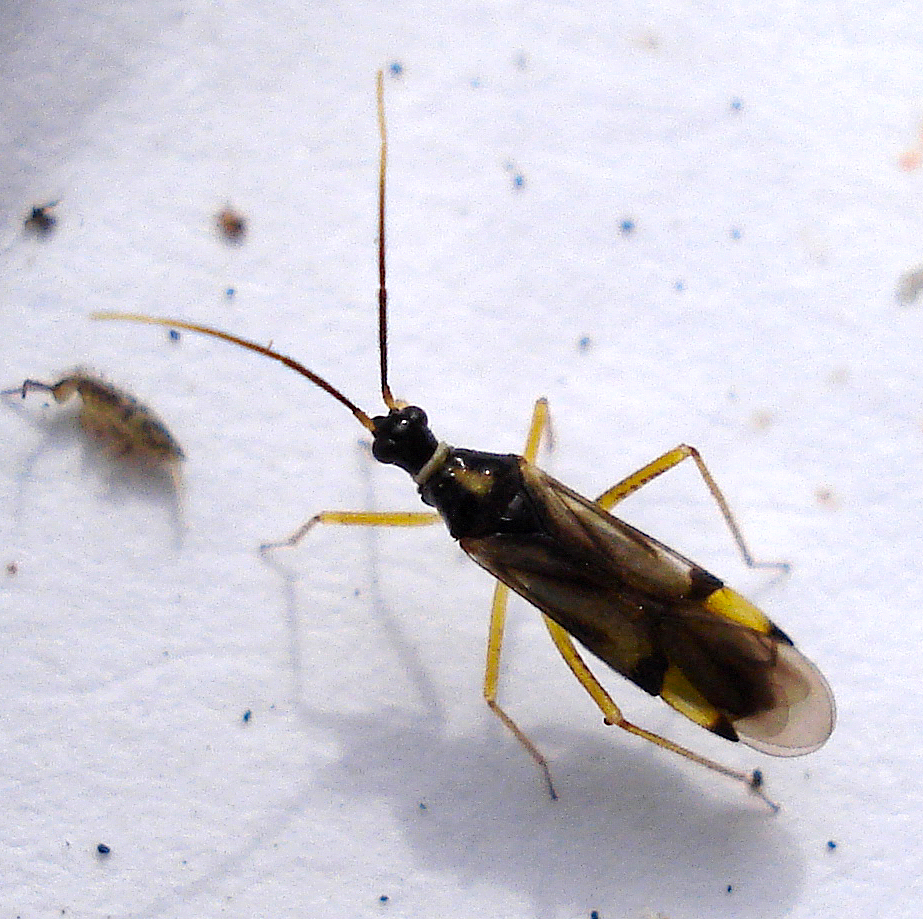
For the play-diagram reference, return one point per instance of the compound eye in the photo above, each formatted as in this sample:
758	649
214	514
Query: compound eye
414	416
384	449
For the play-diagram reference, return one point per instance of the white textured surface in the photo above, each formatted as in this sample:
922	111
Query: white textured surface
137	635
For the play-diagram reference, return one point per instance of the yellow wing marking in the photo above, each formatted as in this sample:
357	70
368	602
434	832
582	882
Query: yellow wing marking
731	605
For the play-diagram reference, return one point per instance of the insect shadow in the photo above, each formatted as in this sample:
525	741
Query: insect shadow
652	615
395	636
461	817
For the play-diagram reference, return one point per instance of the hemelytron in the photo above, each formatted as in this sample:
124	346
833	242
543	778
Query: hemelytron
660	620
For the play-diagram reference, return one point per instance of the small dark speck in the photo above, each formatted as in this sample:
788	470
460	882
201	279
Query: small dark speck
232	225
736	233
396	69
422	805
230	292
627	227
11	568
594	914
737	105
730	888
831	844
41	221
103	849
247	716
519	181
583	345
174	335
384	898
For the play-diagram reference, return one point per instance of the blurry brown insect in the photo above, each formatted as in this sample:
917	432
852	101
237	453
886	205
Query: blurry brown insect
41	221
127	428
232	225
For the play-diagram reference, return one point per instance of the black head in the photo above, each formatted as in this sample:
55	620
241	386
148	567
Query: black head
403	438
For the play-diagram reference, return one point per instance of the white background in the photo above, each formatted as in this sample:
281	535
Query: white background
751	313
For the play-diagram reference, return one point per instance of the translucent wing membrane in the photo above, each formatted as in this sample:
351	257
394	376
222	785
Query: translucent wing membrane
803	715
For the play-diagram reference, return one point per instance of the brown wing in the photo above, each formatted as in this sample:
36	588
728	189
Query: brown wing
661	621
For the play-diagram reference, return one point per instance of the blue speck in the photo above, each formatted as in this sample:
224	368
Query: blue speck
627	227
247	716
384	898
230	292
680	286
103	849
831	844
174	335
396	69
519	181
736	233
736	105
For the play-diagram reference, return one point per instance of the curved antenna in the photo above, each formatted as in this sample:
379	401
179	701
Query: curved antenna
382	288
363	419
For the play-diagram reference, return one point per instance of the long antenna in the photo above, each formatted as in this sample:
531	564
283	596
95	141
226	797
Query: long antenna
363	419
382	288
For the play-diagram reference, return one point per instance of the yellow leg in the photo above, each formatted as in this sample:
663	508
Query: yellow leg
608	499
356	518
538	427
613	716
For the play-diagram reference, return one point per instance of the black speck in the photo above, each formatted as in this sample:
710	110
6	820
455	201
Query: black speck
594	914
247	716
41	221
730	888
103	849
